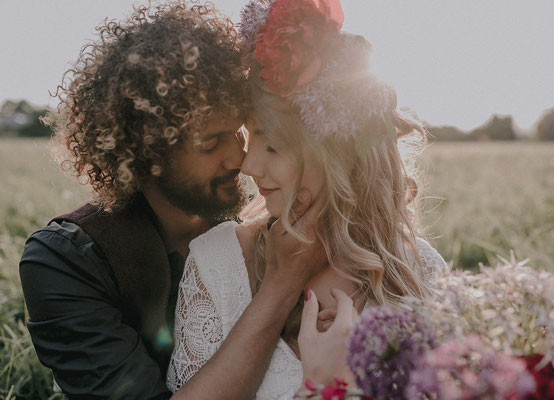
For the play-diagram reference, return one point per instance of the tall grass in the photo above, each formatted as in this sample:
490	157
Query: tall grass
32	191
483	199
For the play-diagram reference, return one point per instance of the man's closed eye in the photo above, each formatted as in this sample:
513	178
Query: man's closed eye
210	144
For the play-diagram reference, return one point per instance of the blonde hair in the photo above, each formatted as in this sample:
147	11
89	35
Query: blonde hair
367	224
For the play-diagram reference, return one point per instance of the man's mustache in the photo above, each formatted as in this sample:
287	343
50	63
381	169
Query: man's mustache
225	178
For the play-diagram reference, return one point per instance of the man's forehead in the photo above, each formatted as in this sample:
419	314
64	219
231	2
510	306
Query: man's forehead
210	135
218	126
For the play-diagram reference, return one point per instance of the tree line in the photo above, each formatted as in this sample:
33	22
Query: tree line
22	119
496	128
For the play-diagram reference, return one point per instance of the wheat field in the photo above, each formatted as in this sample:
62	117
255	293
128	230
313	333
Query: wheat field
481	201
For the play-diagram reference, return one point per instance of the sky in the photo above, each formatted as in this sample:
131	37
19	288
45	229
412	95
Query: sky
452	62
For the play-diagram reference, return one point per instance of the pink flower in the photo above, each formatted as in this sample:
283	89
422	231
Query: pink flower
330	392
310	385
338	391
467	368
290	45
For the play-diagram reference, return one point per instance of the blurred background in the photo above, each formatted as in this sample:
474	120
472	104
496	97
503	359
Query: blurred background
480	74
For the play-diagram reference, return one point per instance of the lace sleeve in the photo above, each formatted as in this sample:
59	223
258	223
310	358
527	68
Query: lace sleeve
198	329
432	260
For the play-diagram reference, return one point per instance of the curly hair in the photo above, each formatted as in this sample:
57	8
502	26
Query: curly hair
149	82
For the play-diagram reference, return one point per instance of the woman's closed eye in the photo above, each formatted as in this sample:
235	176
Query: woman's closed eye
270	149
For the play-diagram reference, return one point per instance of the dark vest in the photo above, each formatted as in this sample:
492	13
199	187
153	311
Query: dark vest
135	250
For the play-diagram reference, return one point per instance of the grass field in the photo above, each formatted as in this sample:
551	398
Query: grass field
482	200
485	199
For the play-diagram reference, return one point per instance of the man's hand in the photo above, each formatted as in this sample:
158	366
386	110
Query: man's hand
250	344
288	259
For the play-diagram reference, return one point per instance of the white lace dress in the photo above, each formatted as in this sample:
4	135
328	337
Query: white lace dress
213	293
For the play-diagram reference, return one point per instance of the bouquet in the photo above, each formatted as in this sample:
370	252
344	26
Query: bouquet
479	336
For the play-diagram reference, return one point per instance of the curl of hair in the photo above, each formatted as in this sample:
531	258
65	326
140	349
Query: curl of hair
367	224
148	83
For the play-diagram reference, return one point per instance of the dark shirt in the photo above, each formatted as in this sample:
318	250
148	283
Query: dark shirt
76	322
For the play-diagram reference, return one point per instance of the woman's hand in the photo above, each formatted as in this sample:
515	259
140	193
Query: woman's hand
290	261
323	354
325	318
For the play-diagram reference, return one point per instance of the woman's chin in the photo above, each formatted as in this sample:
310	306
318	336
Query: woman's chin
275	212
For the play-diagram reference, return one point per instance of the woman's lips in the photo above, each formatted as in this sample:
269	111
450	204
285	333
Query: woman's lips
265	192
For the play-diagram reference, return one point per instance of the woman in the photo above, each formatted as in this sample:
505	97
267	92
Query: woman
322	123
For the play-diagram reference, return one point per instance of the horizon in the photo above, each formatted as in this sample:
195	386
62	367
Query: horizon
456	63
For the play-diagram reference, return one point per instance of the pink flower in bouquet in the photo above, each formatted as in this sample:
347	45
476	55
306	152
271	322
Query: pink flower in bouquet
544	378
338	391
290	45
332	392
468	369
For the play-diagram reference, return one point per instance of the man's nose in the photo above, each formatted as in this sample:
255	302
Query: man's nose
235	155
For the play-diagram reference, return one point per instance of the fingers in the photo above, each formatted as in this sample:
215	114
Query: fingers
345	308
298	209
308	325
326	325
326	318
300	205
328	313
277	229
306	222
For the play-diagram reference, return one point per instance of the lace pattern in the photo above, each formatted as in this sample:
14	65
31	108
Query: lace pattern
214	292
198	331
432	260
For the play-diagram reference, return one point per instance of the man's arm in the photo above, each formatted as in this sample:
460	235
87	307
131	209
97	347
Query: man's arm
76	324
238	367
77	329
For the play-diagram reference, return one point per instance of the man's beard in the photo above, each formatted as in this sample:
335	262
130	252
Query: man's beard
191	196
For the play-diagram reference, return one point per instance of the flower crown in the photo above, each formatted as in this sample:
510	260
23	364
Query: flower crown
305	59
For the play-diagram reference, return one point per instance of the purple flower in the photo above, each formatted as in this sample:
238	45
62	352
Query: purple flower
252	16
468	369
384	348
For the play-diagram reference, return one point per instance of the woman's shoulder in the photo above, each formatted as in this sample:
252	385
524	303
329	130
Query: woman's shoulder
246	234
221	236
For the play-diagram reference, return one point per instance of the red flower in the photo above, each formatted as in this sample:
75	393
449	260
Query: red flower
544	378
340	382
330	392
310	385
290	45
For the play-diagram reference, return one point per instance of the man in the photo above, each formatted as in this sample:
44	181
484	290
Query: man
151	117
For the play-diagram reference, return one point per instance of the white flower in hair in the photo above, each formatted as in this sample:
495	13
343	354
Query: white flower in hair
305	59
345	95
252	16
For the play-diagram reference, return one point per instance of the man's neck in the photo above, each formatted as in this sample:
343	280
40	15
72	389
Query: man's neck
178	227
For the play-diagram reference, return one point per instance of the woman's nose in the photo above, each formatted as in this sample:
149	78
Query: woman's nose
251	164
